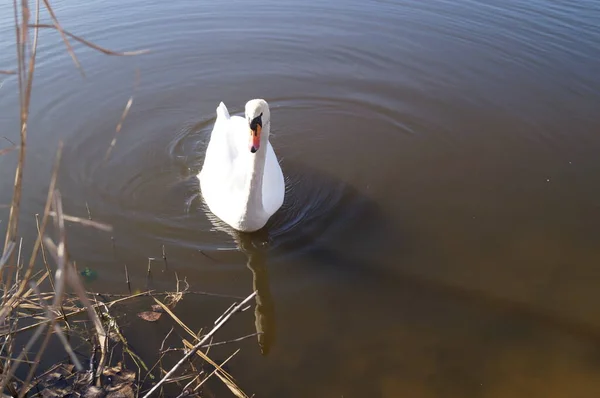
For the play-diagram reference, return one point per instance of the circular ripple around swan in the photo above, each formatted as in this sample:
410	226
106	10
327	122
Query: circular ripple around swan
149	187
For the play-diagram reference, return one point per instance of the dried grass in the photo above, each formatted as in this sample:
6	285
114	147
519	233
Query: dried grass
56	317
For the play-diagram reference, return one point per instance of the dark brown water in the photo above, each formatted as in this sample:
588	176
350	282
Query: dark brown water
440	237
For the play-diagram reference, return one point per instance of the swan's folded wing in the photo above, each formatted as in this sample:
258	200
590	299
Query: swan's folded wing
222	112
218	157
224	171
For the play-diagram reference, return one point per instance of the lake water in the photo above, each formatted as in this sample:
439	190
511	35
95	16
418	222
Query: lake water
440	236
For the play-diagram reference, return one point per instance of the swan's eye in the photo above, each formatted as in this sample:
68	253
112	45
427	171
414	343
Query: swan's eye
257	121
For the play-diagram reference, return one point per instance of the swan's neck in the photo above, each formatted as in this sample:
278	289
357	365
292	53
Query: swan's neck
254	182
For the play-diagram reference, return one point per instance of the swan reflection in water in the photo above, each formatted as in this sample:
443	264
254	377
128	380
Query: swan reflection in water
320	220
255	247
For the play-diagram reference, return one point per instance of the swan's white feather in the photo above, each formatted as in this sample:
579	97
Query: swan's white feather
224	175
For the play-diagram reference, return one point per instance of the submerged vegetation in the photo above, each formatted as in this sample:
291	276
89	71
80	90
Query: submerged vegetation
44	301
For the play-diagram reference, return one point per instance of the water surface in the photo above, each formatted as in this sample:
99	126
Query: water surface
440	233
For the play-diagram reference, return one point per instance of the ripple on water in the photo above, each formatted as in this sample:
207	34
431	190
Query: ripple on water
150	184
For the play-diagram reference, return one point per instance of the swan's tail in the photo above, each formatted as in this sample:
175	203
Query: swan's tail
222	111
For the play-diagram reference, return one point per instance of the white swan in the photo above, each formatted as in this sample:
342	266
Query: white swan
241	180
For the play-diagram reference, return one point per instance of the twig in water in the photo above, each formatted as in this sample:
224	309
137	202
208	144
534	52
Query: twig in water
149	273
231	341
221	373
83	221
198	346
88	210
162	345
165	257
153	293
175	318
123	116
225	313
112	323
114	248
9	140
4	151
207	256
127	279
216	371
8	72
19	264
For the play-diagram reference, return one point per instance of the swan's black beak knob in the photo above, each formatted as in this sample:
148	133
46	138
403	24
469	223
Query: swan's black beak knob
255	130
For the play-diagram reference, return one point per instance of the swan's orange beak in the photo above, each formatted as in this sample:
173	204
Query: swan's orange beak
255	138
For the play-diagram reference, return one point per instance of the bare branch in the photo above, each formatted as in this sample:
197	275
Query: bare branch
123	116
199	345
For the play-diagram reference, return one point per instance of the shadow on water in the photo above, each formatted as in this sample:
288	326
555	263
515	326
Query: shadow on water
351	240
325	225
332	228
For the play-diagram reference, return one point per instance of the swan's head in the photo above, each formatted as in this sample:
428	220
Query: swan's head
258	116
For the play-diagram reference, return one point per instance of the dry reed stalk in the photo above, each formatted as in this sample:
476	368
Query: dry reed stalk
92	45
15	301
25	84
176	319
232	386
72	312
236	340
73	280
54	326
58	27
64	275
198	345
62	279
6	255
45	260
225	377
90	223
9	304
220	372
19	264
25	72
